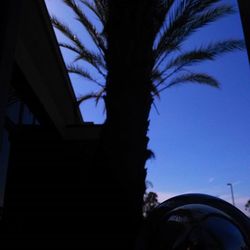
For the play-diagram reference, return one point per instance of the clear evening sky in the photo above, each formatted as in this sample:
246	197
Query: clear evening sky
201	138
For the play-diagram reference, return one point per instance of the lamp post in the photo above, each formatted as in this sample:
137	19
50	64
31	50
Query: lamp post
232	193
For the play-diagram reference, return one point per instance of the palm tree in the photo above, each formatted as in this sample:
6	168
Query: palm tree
171	29
150	199
150	202
139	53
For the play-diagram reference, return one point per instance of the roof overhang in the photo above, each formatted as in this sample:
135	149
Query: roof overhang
39	58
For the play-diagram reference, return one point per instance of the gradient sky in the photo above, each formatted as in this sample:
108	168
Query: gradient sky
201	138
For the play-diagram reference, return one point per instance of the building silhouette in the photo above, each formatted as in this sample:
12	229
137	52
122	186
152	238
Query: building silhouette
48	192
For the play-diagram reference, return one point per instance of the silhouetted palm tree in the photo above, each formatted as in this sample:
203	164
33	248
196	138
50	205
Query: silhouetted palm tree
139	53
150	202
172	23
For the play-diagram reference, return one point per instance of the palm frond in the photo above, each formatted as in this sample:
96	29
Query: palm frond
86	97
156	75
200	5
162	8
93	58
70	47
67	32
200	78
155	92
204	53
86	55
91	29
93	95
99	95
99	66
73	69
187	19
101	7
93	8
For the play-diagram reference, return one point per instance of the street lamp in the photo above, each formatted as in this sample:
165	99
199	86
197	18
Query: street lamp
232	193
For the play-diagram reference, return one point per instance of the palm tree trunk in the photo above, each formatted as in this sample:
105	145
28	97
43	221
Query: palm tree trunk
123	148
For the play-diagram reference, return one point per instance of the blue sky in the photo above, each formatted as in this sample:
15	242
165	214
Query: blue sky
201	138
